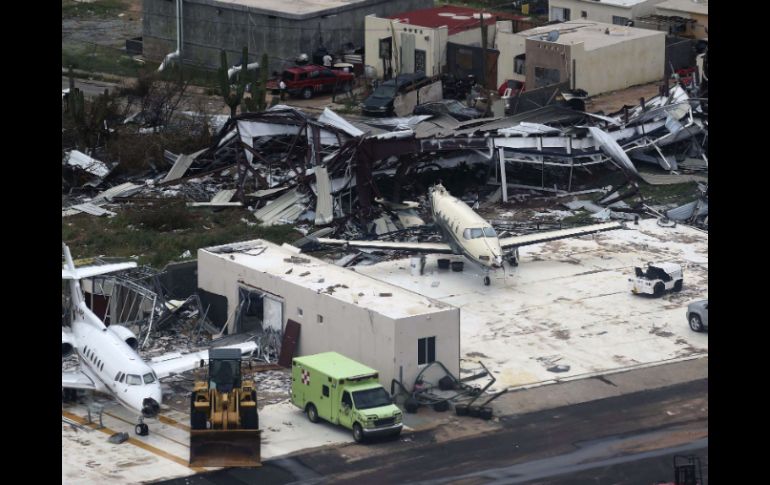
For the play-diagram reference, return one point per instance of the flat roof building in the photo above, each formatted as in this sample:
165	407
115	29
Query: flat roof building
414	41
282	29
594	56
388	328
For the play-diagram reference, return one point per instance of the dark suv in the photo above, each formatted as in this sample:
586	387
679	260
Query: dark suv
380	102
305	81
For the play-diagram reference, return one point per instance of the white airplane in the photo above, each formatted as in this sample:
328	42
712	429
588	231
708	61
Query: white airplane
108	359
468	234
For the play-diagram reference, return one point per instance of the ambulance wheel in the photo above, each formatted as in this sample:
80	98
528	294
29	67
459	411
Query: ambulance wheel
658	289
312	413
678	285
142	429
487	281
307	93
358	433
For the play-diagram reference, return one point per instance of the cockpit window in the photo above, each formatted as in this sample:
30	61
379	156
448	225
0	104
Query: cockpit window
122	377
489	232
472	233
149	378
134	380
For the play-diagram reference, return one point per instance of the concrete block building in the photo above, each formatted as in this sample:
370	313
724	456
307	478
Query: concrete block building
283	29
412	41
388	328
593	56
617	12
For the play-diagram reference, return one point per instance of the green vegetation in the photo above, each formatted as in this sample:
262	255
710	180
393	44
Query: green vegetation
160	232
669	194
99	58
97	8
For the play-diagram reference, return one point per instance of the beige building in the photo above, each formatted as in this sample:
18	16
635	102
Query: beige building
617	12
385	327
417	40
596	57
689	9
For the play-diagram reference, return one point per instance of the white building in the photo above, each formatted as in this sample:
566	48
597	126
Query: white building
617	12
380	325
417	40
689	9
596	57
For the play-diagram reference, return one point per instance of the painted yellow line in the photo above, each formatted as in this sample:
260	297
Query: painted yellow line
159	434
135	442
172	422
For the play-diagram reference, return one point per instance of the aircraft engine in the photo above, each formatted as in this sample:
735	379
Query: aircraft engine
67	345
125	335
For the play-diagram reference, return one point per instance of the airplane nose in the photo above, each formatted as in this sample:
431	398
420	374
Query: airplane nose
150	407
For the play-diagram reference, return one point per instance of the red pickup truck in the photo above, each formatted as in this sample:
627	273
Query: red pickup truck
305	81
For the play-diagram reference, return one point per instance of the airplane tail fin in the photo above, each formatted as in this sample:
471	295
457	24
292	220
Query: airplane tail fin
70	272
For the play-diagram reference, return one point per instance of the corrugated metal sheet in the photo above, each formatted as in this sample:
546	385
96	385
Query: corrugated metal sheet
285	208
121	190
323	209
88	208
90	165
181	165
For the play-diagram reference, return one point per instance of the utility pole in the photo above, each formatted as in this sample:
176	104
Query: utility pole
483	51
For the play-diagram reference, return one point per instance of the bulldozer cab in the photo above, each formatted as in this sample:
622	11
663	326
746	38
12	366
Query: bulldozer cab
224	369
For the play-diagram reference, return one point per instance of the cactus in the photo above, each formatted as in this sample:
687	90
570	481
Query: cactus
233	99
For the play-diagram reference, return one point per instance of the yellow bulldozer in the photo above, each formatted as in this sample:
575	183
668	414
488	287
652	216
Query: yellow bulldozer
224	423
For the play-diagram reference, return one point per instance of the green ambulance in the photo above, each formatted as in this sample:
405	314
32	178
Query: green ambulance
337	389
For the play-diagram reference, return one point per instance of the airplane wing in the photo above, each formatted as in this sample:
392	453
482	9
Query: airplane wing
80	380
88	271
539	237
175	363
417	247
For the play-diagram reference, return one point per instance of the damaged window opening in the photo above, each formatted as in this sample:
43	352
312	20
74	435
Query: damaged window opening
149	378
426	350
258	310
320	319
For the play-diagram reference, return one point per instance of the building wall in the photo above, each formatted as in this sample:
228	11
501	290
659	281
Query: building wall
621	65
432	41
445	326
698	31
601	12
362	334
210	26
547	55
510	45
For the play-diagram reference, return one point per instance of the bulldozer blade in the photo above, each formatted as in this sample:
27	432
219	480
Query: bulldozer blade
222	448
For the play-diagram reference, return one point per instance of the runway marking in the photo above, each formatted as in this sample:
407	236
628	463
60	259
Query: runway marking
135	442
159	434
172	422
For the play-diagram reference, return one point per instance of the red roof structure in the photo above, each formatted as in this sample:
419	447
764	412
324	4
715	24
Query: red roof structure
457	19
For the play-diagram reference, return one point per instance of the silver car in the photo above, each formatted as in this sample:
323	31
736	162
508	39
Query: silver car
698	315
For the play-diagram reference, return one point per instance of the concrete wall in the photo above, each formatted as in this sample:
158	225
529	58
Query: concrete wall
432	41
601	12
445	326
363	335
697	31
210	26
620	65
550	56
510	45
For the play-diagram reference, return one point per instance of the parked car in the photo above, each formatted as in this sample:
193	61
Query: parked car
658	278
450	107
698	315
380	102
306	81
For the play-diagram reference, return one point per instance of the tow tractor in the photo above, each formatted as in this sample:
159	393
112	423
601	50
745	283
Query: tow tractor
658	278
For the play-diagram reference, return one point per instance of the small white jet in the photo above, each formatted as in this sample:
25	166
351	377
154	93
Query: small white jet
109	362
468	234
